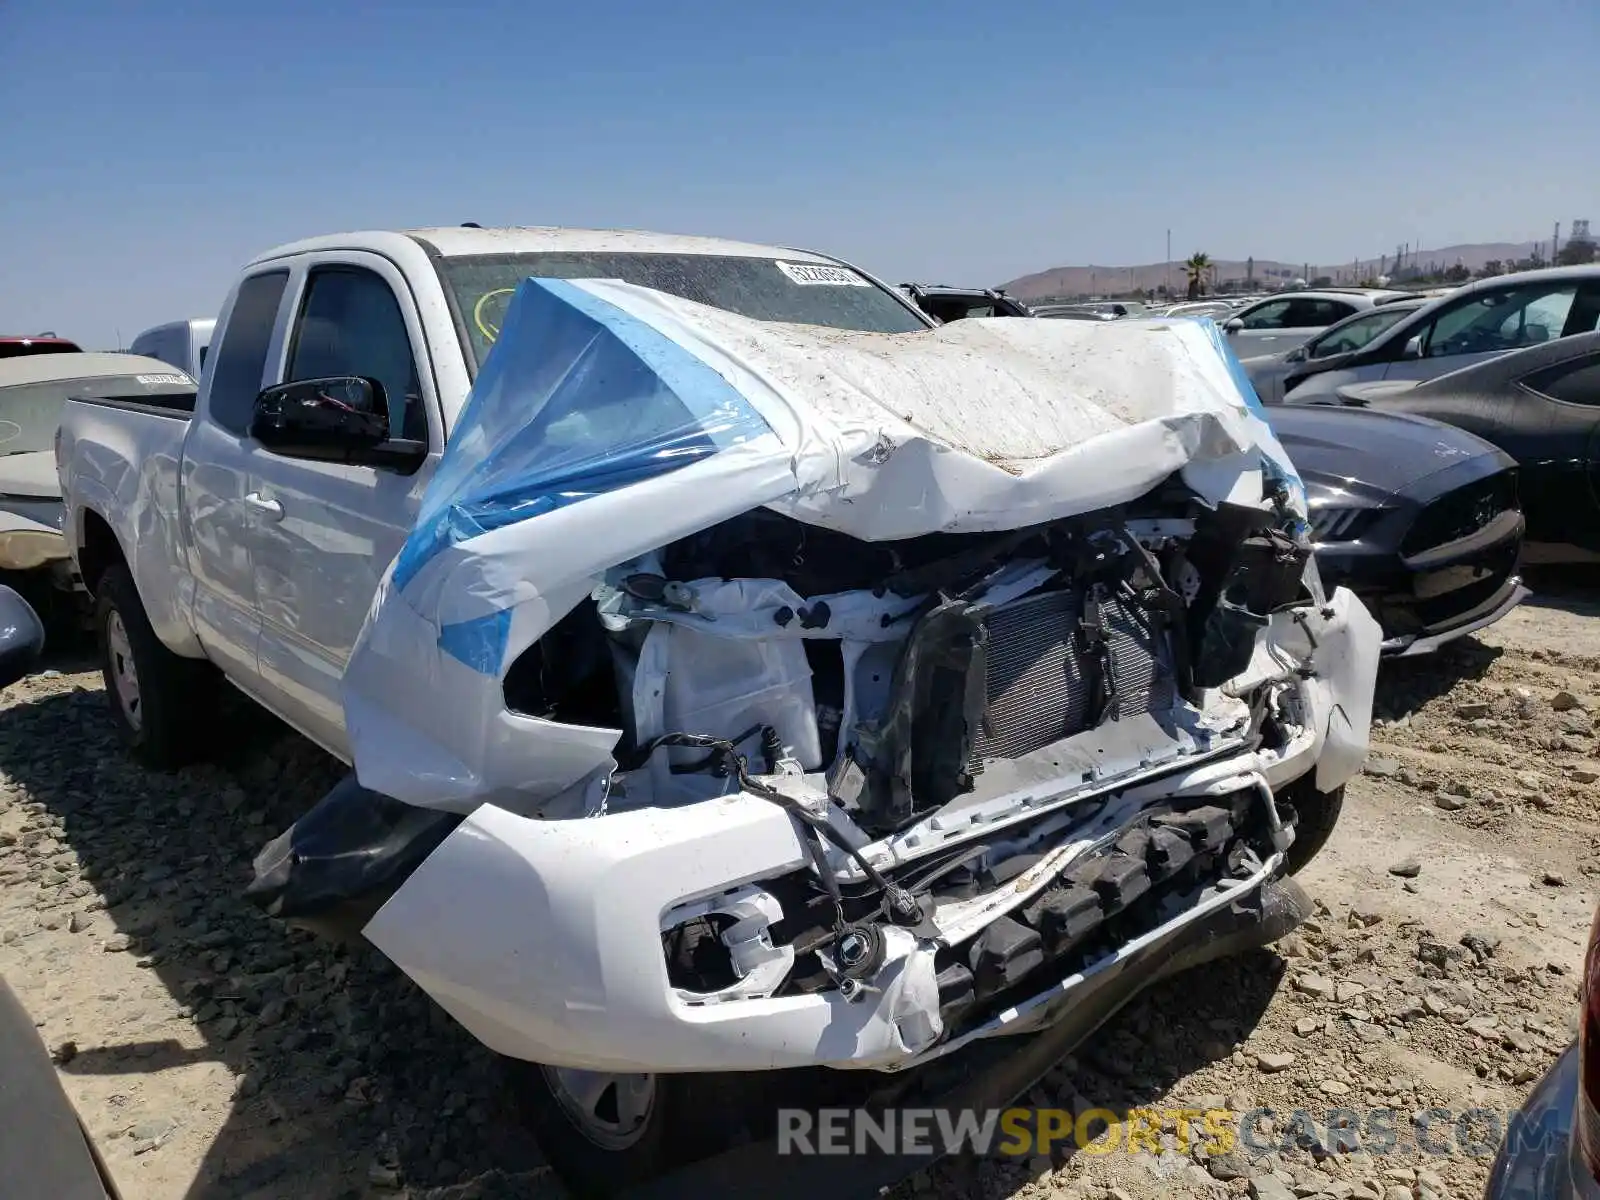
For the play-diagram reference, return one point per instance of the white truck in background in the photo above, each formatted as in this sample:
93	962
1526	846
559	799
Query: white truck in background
183	344
803	851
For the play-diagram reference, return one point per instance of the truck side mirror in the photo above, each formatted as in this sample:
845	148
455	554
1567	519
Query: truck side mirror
21	637
344	418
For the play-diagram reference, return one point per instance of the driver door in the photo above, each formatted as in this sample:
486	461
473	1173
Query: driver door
329	529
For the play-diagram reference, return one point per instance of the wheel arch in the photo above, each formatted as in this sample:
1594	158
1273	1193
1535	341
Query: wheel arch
97	549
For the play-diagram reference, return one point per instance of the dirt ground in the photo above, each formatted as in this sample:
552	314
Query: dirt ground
213	1055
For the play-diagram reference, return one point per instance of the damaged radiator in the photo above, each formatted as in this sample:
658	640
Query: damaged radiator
975	685
1041	671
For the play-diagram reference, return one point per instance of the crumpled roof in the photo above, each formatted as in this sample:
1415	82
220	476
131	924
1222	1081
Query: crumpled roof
611	419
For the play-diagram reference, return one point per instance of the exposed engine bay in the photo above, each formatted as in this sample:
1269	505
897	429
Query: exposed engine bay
848	764
864	687
984	708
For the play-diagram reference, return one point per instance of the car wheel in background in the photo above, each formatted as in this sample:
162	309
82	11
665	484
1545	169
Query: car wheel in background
163	705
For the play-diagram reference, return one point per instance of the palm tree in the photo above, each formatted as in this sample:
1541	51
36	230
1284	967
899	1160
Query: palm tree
1197	266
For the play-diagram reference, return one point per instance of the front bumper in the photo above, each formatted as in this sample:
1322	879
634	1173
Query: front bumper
544	937
30	535
1427	599
1537	1158
981	1078
1510	594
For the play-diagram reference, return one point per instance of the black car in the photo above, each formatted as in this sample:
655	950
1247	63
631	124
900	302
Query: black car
1542	407
1419	519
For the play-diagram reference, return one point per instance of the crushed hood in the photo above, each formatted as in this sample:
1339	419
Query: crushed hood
611	419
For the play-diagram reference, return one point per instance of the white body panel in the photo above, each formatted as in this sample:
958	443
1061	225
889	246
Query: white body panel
543	937
322	533
541	929
122	467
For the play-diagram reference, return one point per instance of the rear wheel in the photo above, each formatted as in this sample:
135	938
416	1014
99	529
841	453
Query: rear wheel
163	705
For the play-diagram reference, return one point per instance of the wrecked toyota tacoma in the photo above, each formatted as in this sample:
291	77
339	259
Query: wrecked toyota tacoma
752	695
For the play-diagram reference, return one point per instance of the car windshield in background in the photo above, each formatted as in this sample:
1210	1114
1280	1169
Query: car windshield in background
1357	331
762	289
30	412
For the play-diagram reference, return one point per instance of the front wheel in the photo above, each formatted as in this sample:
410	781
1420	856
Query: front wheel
162	704
1316	814
604	1133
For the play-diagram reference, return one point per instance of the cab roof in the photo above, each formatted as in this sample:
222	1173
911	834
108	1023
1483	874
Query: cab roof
459	241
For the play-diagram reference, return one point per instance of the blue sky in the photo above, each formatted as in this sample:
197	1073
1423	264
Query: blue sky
149	149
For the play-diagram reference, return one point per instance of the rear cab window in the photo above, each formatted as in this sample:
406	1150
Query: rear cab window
241	358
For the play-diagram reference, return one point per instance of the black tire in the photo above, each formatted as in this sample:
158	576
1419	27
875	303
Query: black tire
690	1116
1316	814
172	720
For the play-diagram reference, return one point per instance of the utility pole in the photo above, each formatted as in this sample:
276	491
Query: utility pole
1166	271
1555	243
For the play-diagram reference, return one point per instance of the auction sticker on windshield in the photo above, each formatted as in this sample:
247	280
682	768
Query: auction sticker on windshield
818	273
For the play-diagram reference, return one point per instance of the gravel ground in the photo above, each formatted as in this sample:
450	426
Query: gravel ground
213	1055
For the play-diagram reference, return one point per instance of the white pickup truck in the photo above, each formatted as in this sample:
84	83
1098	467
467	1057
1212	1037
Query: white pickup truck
747	672
208	548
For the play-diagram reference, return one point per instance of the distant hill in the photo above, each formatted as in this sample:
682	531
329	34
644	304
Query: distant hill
1269	273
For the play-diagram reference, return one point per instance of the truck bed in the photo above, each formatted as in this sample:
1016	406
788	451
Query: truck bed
120	466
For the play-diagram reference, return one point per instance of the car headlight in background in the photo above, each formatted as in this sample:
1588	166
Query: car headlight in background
1339	524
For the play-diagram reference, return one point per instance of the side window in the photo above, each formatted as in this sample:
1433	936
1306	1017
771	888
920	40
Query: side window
1313	314
242	353
1497	321
351	324
1576	381
1267	316
1540	321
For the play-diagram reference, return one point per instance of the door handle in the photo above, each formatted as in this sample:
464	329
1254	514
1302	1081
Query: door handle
266	506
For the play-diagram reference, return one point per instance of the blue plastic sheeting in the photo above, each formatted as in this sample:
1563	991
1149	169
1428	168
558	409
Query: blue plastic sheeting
479	643
1274	471
1241	377
577	398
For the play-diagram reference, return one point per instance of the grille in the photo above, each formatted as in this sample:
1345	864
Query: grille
1038	683
1461	513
